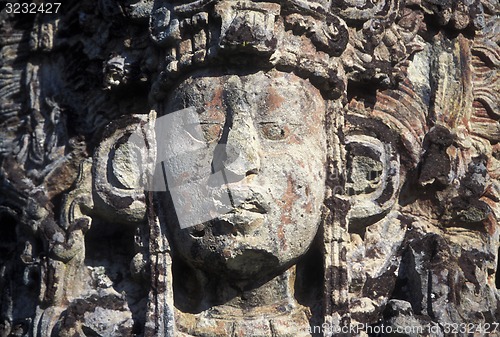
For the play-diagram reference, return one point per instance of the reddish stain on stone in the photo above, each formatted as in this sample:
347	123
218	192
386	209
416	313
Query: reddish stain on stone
294	139
274	100
490	223
288	200
214	108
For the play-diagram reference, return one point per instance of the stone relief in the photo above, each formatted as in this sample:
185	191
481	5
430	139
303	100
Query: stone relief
358	141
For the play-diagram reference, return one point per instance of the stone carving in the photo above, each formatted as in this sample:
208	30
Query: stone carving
359	141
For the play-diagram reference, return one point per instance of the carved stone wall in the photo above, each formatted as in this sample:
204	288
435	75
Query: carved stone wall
358	141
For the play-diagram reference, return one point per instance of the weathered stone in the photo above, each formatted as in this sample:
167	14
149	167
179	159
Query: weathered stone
343	156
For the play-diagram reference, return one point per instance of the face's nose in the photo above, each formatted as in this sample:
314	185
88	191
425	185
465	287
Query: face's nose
239	155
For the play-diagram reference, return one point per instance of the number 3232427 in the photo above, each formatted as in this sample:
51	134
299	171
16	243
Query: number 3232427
32	8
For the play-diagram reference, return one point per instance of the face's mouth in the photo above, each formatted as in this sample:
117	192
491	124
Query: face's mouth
246	197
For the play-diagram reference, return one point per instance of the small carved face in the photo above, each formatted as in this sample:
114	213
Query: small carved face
263	133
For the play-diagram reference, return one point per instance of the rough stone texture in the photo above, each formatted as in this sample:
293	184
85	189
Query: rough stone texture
361	138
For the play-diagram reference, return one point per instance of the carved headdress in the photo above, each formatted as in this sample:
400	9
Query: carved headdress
299	36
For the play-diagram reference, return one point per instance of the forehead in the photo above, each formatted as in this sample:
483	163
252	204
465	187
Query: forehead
267	91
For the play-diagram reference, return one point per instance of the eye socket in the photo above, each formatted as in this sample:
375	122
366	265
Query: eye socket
274	131
205	132
364	174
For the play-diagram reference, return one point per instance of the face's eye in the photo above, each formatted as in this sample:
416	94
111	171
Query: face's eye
274	131
205	132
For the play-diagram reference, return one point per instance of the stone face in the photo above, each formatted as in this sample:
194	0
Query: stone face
248	168
264	137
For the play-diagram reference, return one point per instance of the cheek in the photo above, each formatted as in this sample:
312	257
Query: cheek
297	181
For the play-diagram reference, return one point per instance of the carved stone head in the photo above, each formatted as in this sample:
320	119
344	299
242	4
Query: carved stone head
264	131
